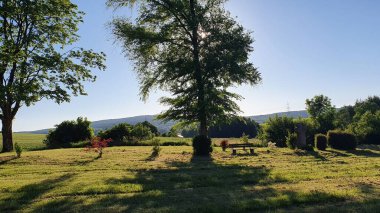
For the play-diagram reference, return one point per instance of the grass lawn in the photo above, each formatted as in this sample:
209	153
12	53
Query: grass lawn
124	179
28	141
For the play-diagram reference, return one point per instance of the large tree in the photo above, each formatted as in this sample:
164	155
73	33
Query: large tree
191	48
37	57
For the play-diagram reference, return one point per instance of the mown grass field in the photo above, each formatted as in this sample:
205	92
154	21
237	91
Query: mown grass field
32	142
28	141
283	180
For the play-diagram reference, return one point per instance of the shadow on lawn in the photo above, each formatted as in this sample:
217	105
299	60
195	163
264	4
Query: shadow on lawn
315	154
201	185
6	159
27	194
358	152
364	153
198	186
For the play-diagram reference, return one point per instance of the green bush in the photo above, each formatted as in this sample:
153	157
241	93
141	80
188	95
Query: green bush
341	140
18	150
276	129
156	148
69	132
153	129
141	132
120	134
320	141
244	138
291	140
202	145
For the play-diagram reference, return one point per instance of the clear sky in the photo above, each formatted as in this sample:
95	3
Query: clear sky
302	48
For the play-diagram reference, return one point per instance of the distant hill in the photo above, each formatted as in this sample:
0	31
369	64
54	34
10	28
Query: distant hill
106	124
293	114
165	127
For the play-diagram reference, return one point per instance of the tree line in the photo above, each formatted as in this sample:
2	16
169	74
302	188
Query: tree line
362	120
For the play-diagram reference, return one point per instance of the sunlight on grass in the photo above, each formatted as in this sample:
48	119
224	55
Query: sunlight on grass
124	180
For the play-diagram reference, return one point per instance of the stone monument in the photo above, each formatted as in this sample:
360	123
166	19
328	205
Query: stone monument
301	135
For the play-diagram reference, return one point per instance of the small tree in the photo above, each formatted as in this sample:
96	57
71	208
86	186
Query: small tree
98	144
18	150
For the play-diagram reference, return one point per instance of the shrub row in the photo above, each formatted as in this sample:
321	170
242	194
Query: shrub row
341	140
336	139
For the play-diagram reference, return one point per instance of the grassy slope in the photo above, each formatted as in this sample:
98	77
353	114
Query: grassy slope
124	180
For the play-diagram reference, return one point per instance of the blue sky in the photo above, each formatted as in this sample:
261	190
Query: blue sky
302	48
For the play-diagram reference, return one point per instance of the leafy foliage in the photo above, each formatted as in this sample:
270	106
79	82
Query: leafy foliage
367	128
118	133
141	132
227	129
37	58
321	141
18	150
291	140
344	117
322	112
69	132
202	145
341	140
194	50
276	129
153	129
244	138
156	149
98	144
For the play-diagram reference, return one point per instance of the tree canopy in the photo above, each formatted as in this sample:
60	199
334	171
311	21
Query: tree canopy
192	48
322	112
37	57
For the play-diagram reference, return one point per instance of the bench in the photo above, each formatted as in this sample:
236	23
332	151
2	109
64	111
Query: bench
243	146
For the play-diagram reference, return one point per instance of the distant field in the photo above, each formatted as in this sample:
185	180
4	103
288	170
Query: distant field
34	141
215	141
125	180
28	141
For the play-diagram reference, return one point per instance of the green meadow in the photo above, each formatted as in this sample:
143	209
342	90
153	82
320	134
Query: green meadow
127	180
28	141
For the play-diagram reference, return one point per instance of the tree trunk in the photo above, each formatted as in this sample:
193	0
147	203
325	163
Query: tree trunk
198	72
7	133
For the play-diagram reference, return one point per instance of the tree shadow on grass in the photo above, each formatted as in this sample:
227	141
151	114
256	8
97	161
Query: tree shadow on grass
357	152
201	185
364	153
27	194
6	159
337	153
373	147
312	153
